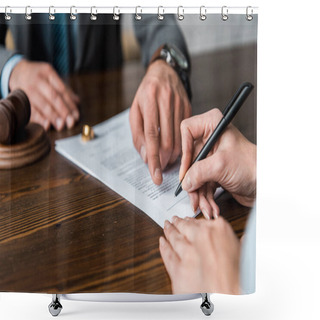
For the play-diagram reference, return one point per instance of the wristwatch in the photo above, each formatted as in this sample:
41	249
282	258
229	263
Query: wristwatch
177	60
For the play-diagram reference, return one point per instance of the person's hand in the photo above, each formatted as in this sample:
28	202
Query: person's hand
52	102
231	164
201	256
159	106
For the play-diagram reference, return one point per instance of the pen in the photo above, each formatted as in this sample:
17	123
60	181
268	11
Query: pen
228	114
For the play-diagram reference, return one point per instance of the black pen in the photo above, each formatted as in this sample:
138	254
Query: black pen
228	114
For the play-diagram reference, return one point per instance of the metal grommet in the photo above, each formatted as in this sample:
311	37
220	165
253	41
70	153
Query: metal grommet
52	11
27	16
138	16
160	15
93	16
249	16
72	13
180	13
203	13
224	13
6	15
116	16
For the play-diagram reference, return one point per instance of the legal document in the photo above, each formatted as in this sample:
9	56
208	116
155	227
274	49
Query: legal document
112	158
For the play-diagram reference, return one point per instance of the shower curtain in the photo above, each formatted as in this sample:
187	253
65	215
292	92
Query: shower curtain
69	227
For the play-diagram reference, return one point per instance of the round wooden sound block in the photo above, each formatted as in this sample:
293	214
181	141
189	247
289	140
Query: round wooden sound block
32	145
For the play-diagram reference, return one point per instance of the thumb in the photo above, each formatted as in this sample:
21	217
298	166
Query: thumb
210	169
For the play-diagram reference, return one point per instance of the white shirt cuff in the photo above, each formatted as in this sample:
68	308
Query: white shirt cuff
6	73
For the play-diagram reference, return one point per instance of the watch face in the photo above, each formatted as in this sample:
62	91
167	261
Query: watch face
178	57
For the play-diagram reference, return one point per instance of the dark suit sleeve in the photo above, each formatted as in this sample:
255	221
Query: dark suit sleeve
5	54
152	33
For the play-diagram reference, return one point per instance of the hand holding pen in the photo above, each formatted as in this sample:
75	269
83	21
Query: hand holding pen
230	161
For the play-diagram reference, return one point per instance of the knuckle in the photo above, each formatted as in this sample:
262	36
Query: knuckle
152	132
152	85
216	112
46	67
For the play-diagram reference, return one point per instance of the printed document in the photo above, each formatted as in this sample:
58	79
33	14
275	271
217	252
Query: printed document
112	158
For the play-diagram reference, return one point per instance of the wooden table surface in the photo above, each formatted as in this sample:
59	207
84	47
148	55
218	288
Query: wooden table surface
62	231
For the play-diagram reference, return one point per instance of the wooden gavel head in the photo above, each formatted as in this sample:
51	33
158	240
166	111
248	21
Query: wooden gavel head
14	116
21	143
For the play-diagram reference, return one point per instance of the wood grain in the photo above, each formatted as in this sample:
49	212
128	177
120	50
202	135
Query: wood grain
62	231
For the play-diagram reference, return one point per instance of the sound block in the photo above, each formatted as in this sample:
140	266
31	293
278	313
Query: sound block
32	145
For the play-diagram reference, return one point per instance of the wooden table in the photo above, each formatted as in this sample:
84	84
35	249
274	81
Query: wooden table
62	231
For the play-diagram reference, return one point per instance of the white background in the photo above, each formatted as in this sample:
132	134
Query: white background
288	237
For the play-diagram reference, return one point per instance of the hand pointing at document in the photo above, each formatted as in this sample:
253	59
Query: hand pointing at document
160	104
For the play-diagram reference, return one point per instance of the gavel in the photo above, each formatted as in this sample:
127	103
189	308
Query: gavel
14	116
21	143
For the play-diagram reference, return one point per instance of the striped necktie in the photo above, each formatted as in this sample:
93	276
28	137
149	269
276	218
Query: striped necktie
60	44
